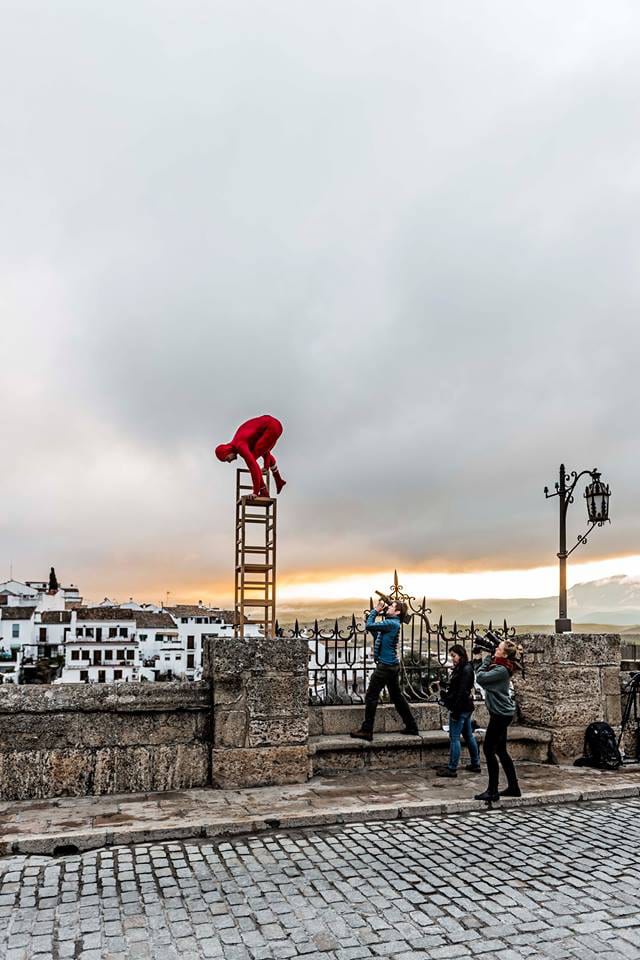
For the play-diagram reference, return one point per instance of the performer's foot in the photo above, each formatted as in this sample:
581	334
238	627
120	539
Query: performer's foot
487	796
361	735
410	732
511	792
280	483
262	492
470	767
446	772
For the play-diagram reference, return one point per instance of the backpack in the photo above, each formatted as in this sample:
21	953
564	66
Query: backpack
600	748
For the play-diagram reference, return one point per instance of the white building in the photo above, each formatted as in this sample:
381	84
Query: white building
195	621
101	646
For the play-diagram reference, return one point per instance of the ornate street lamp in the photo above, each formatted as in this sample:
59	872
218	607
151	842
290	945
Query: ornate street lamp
597	496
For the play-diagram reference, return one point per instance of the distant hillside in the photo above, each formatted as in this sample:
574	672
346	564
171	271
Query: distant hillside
612	602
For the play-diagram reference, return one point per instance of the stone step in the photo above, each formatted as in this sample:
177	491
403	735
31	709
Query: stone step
340	752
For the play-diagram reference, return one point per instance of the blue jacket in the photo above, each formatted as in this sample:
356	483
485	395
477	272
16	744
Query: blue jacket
385	639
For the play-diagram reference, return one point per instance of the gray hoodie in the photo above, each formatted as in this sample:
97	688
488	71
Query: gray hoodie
496	683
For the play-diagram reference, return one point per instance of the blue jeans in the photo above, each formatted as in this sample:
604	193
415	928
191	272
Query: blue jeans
457	727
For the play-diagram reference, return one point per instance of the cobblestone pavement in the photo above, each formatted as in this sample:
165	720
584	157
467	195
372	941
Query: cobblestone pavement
549	882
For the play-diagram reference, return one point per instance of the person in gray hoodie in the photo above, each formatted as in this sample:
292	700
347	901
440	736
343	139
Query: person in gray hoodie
494	676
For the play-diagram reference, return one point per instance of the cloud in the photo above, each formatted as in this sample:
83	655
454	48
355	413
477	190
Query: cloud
411	233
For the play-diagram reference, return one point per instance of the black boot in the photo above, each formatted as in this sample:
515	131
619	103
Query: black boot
513	791
410	732
487	796
361	735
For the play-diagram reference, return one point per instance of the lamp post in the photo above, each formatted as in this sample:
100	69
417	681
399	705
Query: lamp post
597	496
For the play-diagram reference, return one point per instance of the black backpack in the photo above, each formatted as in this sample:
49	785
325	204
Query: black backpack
600	748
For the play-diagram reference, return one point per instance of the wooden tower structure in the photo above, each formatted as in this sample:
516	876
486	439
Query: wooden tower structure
255	561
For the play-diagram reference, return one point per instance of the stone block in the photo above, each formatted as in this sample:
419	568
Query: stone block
230	693
277	732
37	774
567	743
427	717
232	656
277	696
338	761
610	677
229	727
575	648
266	766
338	720
396	758
180	767
315	722
612	710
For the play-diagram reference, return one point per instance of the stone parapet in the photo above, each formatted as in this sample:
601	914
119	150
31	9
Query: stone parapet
260	710
80	739
570	680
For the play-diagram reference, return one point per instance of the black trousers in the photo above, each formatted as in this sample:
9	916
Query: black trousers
388	677
495	748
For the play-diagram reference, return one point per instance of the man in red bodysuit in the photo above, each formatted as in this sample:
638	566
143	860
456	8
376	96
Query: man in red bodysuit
253	439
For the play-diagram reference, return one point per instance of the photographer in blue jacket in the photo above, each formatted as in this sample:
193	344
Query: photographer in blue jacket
387	672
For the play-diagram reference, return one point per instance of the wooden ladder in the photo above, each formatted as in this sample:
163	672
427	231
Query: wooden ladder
255	565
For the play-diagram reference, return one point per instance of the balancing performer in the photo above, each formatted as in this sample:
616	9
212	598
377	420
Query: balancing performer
387	671
253	439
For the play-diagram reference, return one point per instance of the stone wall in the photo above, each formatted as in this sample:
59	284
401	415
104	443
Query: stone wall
570	680
77	740
260	710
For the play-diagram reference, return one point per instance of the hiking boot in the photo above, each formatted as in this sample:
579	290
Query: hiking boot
471	769
361	735
446	772
514	791
487	796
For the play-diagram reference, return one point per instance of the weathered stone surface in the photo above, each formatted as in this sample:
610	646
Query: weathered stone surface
230	727
107	697
228	657
263	766
275	732
279	695
49	731
36	774
315	721
572	648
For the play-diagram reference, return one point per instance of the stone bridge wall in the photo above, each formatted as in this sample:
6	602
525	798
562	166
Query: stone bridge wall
570	680
78	739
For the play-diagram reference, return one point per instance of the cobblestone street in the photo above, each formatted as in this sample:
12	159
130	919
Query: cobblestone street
551	882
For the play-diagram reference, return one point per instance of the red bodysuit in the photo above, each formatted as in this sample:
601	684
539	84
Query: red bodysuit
253	439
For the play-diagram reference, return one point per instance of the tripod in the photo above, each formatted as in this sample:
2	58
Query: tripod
631	711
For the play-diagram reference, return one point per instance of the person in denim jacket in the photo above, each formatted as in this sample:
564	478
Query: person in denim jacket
387	672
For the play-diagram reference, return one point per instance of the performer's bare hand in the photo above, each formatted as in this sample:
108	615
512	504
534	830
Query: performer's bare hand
380	605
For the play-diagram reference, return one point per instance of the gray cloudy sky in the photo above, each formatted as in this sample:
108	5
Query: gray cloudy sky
410	230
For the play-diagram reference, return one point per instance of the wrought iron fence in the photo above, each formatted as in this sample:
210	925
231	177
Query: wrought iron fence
341	660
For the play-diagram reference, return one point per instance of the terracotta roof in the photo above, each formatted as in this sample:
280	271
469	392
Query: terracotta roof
17	613
105	613
148	619
56	616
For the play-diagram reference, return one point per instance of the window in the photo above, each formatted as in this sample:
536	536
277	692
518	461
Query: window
15	630
88	631
75	654
117	674
84	676
142	636
131	654
167	657
108	654
98	633
119	654
190	661
178	656
43	634
198	619
124	631
191	643
113	631
184	619
102	676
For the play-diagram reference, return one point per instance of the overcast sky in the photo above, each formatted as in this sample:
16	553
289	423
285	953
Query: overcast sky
409	230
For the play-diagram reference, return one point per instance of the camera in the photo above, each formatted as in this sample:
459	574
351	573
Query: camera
487	644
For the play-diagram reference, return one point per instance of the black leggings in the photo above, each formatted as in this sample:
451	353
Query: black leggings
495	747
